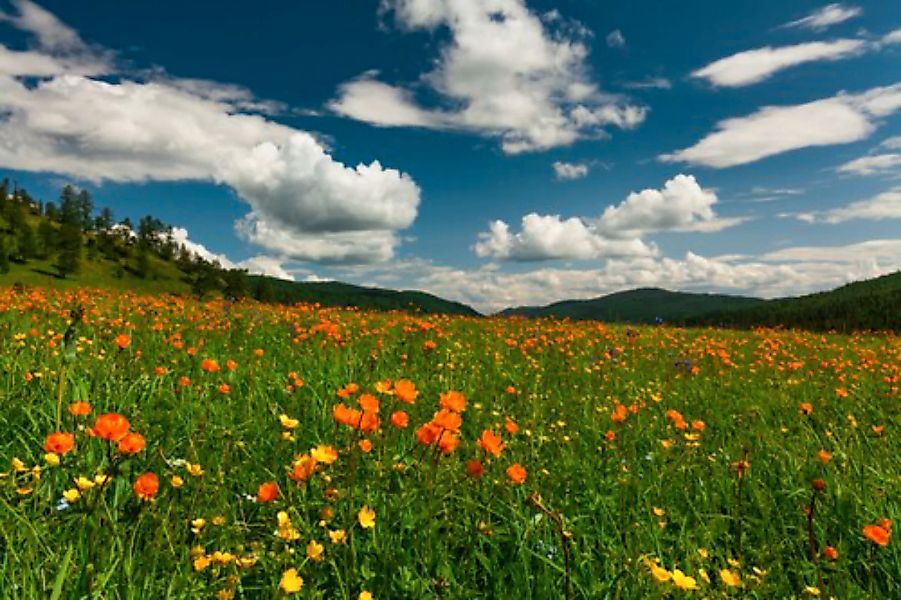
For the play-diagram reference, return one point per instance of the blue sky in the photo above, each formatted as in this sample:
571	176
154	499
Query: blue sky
512	152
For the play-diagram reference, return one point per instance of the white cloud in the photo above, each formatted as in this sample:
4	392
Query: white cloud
886	205
882	251
548	237
257	265
168	129
831	14
681	205
569	171
504	73
266	265
871	165
892	143
615	39
753	66
893	37
775	129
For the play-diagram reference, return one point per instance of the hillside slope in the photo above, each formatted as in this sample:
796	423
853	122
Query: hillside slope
869	304
642	305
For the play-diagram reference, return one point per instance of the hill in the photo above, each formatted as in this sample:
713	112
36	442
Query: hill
74	245
642	305
869	304
335	293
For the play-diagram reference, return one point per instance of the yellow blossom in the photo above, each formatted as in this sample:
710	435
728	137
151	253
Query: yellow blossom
324	454
51	458
176	481
366	517
201	562
730	578
315	550
683	581
83	483
291	582
659	573
339	536
287	422
71	495
195	470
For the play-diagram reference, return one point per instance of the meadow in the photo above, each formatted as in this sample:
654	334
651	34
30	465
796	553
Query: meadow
157	446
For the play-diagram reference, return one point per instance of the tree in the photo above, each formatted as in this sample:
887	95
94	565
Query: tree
69	260
104	221
70	207
28	247
46	238
85	208
51	212
236	284
4	256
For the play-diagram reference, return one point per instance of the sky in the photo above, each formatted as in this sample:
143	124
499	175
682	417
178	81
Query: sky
494	152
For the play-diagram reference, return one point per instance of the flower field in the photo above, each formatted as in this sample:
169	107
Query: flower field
162	447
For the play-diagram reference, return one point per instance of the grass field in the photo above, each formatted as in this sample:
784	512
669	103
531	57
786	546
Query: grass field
324	453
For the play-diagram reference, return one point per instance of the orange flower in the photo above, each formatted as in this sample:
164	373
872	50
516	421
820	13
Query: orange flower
448	442
475	468
619	413
516	473
304	467
348	390
59	442
369	423
259	352
132	443
110	426
365	445
231	365
510	390
491	443
877	534
454	401
184	381
346	416
123	341
160	371
610	436
209	365
268	492
79	408
428	434
400	419
830	553
511	426
429	345
146	486
447	419
823	456
369	403
698	425
225	388
405	391
806	408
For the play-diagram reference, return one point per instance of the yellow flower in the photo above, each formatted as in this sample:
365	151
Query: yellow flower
659	511
83	483
315	550
218	520
659	573
324	454
288	423
197	525
194	470
703	574
730	578
223	558
201	562
245	562
101	478
18	465
71	495
366	517
176	481
291	582
683	581
812	590
51	458
364	595
339	536
703	552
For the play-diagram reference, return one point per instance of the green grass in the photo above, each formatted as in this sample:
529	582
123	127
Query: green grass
439	532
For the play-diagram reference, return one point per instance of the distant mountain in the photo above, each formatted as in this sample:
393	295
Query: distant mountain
869	304
642	305
334	293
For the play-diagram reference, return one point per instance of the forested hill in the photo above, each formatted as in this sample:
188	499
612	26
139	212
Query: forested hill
72	243
644	305
870	304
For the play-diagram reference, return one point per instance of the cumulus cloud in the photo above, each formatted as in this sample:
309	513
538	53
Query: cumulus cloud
773	130
753	66
886	205
681	205
872	165
505	73
168	129
831	14
549	237
569	171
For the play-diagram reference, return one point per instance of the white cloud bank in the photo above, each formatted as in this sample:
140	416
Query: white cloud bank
167	129
505	73
681	205
773	130
886	205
